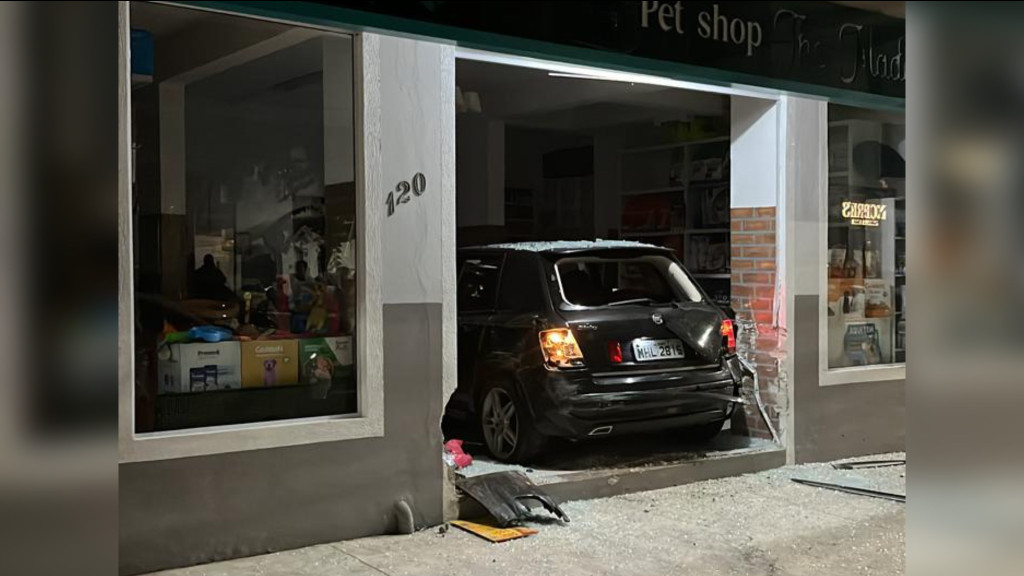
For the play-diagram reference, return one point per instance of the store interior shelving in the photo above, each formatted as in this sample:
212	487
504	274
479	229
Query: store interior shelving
677	195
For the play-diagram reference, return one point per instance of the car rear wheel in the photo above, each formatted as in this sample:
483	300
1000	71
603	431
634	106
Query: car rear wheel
507	425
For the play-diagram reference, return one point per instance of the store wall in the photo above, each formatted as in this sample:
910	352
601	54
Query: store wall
480	146
756	257
840	421
828	422
195	510
525	150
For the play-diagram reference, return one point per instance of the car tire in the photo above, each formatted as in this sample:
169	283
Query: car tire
507	425
705	432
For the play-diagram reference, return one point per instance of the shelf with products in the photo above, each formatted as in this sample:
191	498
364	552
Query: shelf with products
709	183
678	191
675	145
708	231
665	190
653	233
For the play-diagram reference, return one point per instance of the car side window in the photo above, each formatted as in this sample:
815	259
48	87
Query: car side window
478	283
521	286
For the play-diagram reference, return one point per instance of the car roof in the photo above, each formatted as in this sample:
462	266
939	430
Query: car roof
571	247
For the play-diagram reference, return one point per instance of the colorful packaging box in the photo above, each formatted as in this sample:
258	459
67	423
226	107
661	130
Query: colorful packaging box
325	360
199	367
269	363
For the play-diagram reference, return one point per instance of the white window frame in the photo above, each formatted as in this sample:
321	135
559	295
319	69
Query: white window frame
838	376
369	421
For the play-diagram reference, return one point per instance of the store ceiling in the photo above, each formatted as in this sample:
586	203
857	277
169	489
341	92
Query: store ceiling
530	97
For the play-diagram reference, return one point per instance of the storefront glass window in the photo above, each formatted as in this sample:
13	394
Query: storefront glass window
866	251
244	215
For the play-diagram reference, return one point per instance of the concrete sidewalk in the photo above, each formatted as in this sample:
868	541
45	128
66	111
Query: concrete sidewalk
757	524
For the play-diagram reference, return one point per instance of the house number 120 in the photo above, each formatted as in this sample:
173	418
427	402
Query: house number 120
401	193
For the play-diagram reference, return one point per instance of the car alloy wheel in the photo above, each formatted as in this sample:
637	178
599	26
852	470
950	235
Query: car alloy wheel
500	423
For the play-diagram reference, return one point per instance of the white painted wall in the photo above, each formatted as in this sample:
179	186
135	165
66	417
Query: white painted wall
805	135
415	97
755	152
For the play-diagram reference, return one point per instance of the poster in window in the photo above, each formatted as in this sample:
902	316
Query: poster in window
861	345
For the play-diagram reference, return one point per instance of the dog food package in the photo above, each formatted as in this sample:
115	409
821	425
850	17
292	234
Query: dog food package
325	360
269	363
199	367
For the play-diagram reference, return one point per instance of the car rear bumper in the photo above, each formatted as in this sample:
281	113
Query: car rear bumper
582	405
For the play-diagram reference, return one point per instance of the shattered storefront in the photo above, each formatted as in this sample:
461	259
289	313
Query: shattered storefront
378	252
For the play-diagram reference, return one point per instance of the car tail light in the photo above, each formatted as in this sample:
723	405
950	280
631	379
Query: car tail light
615	352
728	332
560	348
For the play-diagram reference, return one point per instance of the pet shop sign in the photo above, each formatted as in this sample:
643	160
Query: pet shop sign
864	214
817	44
847	53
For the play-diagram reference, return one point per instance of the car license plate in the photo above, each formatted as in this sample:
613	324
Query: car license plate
648	350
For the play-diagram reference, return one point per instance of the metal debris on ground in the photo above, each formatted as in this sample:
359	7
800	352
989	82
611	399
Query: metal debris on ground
503	495
493	534
865	464
853	490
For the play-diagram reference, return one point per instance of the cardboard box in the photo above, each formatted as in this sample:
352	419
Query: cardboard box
199	367
269	363
324	360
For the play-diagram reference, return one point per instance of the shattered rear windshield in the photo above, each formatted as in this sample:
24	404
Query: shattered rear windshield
642	280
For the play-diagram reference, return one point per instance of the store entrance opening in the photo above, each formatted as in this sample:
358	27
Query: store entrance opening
594	323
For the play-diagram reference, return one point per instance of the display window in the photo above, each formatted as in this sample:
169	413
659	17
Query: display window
244	217
866	308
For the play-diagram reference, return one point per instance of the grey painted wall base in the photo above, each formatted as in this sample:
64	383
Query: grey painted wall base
833	422
592	484
195	510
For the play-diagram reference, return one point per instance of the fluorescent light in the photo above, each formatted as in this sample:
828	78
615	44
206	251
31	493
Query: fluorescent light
579	76
560	70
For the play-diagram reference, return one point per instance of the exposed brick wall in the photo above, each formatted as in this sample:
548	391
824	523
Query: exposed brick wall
753	298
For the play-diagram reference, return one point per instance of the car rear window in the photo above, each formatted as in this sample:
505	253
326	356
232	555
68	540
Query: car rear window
594	281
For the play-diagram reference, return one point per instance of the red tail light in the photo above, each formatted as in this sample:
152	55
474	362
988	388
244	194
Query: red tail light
728	332
615	352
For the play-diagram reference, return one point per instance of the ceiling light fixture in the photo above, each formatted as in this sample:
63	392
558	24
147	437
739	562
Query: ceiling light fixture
559	70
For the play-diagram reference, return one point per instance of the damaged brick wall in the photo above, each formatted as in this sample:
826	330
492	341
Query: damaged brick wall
753	298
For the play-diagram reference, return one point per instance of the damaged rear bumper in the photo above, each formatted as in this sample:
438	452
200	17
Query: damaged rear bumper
583	405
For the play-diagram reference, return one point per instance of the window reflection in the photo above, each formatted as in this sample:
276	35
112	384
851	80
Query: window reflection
244	221
866	299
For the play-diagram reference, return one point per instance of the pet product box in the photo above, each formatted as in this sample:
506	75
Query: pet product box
325	360
199	367
269	363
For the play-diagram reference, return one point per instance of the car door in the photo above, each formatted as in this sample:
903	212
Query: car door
477	287
511	340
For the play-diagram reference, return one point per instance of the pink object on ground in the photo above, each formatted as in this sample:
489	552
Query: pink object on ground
454	447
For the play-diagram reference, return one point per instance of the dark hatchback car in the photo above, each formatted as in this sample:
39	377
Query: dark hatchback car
581	340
